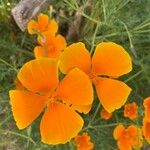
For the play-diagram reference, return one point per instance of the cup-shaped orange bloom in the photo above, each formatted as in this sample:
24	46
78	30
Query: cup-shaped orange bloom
105	114
147	108
109	62
42	25
60	121
131	111
83	142
128	139
146	129
50	46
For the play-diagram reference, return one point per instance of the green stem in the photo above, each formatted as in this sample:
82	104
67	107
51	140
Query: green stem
94	36
6	63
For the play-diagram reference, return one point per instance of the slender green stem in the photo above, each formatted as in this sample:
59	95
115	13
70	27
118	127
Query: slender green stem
94	36
6	63
97	109
130	38
134	76
23	136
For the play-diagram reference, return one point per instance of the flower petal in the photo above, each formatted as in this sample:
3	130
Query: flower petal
111	93
124	144
118	131
111	59
146	129
40	75
52	27
52	46
60	42
26	107
59	124
82	109
39	52
32	25
147	108
75	55
75	88
43	22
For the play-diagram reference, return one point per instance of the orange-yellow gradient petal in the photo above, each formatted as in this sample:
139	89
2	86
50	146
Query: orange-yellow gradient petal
60	42
39	52
40	75
112	93
118	131
76	88
43	22
111	59
52	27
32	26
75	55
26	107
59	124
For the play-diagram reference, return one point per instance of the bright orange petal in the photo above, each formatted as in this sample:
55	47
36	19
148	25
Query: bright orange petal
124	144
60	42
146	129
75	55
131	110
26	107
53	45
82	109
105	115
147	108
111	59
59	124
76	88
83	142
39	52
43	22
112	93
40	75
118	131
32	25
52	27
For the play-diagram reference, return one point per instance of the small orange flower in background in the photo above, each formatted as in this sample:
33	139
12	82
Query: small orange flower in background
128	139
42	25
105	115
147	108
131	111
83	142
51	46
43	89
146	129
109	60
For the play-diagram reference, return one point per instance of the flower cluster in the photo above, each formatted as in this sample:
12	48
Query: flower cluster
133	136
41	89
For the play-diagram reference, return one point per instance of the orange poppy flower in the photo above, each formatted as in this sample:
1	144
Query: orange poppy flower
109	60
147	108
131	111
42	25
60	121
83	142
51	46
146	129
105	115
128	138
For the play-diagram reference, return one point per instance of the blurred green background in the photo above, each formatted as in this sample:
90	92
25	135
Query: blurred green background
126	22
